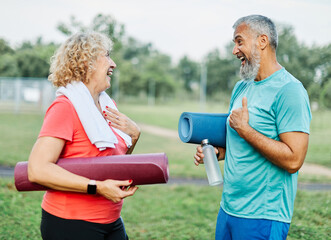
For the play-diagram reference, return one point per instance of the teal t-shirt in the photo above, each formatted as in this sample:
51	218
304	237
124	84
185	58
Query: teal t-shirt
253	186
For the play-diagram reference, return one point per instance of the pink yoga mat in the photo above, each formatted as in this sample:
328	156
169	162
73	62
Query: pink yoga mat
143	169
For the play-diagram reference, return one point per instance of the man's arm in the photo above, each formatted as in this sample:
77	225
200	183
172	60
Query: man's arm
288	153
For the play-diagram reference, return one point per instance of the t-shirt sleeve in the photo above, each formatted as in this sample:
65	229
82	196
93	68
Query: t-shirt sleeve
58	121
292	109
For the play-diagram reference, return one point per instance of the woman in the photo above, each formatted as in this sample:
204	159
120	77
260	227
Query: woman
82	122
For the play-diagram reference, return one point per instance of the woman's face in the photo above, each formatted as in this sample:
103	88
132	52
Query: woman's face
104	67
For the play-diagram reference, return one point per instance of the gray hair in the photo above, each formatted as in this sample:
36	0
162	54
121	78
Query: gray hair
261	25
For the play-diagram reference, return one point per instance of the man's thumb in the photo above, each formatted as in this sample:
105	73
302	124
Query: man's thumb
244	102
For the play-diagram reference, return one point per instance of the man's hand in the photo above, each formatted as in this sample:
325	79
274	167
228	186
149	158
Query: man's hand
239	117
198	157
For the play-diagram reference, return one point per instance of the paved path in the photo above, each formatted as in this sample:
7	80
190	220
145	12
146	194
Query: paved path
201	182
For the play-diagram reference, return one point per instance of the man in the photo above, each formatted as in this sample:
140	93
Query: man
267	139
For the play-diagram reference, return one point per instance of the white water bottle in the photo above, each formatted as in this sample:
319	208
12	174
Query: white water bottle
211	164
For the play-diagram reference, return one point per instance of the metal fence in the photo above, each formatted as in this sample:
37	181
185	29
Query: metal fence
25	95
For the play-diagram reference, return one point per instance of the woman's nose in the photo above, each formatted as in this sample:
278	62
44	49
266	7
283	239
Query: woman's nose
112	63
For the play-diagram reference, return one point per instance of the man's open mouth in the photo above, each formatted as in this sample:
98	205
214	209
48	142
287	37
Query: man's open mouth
242	59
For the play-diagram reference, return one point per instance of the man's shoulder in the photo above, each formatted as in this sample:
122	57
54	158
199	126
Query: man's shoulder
287	78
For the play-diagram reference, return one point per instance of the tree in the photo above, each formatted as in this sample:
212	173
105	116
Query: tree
8	65
298	59
222	73
326	95
101	23
33	59
188	71
157	70
5	48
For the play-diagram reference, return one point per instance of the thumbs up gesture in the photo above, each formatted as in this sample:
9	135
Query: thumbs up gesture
239	118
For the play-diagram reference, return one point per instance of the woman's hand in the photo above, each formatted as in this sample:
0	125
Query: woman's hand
198	157
122	122
115	190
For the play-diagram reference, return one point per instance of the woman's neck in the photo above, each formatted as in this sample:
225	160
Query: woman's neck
95	96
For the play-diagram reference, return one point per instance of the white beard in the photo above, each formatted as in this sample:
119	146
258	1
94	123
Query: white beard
251	68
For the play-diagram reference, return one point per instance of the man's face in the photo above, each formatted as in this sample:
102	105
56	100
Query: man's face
246	50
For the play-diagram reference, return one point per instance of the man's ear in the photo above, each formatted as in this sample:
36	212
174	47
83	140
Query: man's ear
263	41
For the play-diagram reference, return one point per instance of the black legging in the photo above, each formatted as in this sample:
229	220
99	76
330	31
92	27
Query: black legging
55	228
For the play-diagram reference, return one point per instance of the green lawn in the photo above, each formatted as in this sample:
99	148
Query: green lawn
167	212
18	134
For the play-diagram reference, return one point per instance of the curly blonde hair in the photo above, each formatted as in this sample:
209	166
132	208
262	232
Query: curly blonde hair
76	57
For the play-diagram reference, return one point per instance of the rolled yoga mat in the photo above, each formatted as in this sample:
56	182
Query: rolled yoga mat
141	168
194	127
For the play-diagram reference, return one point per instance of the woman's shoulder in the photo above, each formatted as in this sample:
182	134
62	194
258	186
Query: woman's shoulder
61	102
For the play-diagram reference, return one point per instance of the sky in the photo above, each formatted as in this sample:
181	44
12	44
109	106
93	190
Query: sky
174	27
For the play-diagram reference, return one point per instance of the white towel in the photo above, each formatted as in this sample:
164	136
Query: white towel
92	120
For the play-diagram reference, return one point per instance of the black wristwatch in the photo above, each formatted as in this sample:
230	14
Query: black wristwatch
92	187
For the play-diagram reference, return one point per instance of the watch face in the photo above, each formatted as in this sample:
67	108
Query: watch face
92	187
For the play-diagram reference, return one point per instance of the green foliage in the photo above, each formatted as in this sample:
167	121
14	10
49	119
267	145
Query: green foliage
326	95
5	48
8	66
314	91
298	59
188	71
28	60
222	73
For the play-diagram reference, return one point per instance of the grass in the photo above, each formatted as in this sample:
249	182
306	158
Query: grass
166	212
18	134
319	150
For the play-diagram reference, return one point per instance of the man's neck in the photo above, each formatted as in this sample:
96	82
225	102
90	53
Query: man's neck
268	66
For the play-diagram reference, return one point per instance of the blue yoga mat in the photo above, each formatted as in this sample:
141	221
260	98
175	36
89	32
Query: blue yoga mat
194	127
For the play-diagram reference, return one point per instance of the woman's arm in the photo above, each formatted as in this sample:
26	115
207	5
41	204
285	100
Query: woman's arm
42	169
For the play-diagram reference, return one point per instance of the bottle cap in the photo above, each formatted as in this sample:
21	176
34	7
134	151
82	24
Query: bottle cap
204	141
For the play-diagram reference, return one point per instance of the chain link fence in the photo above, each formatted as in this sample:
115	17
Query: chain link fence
25	95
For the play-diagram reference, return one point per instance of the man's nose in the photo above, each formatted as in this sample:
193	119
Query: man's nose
235	50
